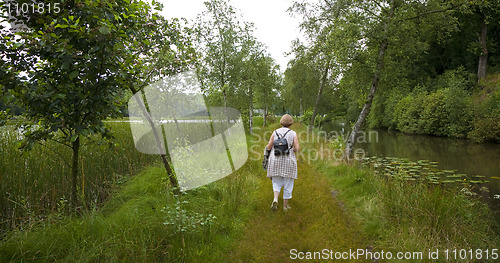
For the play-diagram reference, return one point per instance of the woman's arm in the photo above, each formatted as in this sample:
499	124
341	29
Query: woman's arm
271	142
296	146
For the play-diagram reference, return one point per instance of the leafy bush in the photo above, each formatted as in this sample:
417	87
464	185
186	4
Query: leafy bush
446	110
433	118
408	111
457	78
487	129
306	117
486	124
460	113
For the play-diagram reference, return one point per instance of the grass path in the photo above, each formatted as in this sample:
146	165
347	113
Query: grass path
315	222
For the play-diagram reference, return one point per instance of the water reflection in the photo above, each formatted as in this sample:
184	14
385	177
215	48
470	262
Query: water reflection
451	154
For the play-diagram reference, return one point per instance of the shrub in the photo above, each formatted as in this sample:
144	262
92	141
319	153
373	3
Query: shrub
306	117
486	125
408	111
445	111
486	129
433	119
459	108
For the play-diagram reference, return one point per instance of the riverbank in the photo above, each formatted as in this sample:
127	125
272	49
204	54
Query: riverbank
450	158
401	215
450	106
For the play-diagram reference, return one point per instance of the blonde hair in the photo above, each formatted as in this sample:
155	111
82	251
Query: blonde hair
286	120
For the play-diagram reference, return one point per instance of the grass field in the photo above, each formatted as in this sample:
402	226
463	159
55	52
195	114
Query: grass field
335	207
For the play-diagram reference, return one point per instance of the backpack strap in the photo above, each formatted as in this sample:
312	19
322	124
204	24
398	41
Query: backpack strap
289	146
277	134
276	131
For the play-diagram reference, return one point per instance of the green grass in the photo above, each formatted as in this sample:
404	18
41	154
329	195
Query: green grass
129	228
37	183
229	220
401	215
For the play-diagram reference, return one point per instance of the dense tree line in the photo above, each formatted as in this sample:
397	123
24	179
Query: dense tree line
412	66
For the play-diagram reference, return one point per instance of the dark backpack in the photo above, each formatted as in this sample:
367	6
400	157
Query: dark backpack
281	145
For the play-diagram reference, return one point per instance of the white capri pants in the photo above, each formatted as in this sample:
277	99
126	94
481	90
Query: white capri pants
286	183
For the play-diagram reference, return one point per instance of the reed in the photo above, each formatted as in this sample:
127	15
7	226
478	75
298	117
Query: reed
36	183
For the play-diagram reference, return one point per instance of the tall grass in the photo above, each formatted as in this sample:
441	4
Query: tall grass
37	183
400	215
134	224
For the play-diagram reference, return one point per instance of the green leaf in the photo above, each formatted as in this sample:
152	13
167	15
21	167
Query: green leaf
74	138
73	74
104	30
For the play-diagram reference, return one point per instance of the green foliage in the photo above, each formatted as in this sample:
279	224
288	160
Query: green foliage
457	78
4	116
446	112
432	119
34	178
77	65
448	105
486	125
301	79
432	47
353	111
444	107
487	129
234	67
185	221
306	116
407	112
131	227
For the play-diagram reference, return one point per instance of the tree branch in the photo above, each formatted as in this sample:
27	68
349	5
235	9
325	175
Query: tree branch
428	13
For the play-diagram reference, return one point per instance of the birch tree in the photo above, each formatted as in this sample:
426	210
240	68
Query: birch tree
365	31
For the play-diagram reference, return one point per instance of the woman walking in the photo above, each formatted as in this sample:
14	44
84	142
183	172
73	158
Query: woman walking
282	164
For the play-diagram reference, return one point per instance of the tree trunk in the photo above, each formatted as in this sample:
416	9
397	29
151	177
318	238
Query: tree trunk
366	108
250	113
75	146
318	98
165	158
265	116
483	58
225	97
301	110
369	99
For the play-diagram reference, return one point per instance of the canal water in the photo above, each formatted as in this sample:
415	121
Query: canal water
464	156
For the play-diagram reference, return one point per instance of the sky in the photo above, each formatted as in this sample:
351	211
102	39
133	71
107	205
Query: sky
273	25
